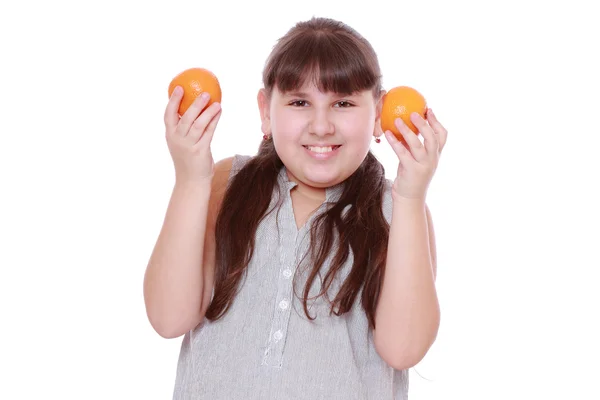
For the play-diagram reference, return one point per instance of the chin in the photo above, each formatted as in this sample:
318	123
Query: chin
323	177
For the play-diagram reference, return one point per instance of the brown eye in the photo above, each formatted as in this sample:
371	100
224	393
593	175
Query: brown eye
298	103
344	104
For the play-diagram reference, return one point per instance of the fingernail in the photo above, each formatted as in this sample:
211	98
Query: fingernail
177	90
205	96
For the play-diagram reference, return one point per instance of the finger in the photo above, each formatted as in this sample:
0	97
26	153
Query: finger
191	114
414	144
171	115
200	124
439	130
430	140
212	126
399	148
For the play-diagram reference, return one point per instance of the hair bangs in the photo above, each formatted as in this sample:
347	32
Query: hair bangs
333	63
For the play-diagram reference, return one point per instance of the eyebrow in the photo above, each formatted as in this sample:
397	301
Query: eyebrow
303	94
296	94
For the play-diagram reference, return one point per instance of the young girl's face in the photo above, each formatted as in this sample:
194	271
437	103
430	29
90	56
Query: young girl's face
322	138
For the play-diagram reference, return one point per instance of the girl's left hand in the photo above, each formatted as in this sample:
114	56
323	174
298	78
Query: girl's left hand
418	161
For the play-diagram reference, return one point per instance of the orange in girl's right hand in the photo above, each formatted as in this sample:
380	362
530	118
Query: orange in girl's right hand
401	102
194	81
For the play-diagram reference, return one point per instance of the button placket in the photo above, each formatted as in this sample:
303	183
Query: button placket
284	304
273	355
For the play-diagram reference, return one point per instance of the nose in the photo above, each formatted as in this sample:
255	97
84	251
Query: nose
320	123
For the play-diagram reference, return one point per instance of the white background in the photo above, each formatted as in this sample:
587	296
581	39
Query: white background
86	177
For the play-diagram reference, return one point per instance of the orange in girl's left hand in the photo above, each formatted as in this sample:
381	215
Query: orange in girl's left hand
401	102
194	81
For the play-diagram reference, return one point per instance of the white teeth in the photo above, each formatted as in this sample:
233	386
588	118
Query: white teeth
320	149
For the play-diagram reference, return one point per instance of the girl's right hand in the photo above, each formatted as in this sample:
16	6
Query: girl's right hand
189	137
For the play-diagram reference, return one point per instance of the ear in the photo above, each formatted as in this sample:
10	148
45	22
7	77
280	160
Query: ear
263	108
380	104
377	131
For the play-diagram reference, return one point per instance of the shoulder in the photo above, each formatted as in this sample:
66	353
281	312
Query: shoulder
238	161
224	170
387	203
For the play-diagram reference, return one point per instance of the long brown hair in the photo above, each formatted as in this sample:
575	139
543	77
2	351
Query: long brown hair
340	61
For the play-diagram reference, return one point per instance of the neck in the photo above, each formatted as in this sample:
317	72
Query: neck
309	192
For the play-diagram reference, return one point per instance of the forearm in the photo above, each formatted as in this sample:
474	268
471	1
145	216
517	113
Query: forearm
407	317
173	284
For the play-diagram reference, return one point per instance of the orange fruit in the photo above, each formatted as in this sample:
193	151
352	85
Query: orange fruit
194	81
400	102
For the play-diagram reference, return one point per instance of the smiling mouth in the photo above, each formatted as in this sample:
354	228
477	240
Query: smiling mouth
326	149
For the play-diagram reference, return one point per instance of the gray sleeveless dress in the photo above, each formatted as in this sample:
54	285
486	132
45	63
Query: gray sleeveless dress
265	348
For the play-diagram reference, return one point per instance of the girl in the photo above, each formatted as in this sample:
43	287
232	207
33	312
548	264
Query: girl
316	277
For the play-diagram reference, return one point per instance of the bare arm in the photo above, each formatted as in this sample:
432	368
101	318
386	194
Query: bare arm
179	277
432	246
408	316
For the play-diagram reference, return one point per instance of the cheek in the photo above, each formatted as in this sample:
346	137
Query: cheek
358	126
287	124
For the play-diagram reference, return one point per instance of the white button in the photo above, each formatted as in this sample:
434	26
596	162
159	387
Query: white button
283	304
287	273
278	335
